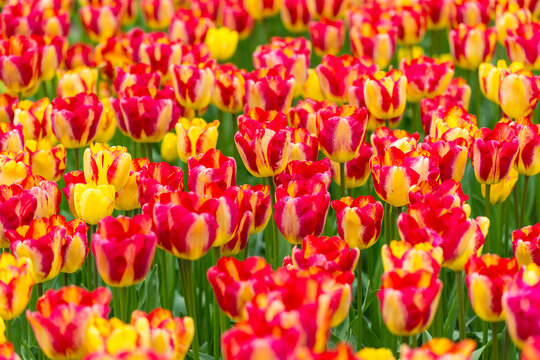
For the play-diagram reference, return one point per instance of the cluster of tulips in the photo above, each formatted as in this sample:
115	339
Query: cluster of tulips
264	242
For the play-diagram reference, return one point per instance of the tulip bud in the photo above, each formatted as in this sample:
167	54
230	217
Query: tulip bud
195	137
16	286
106	165
471	46
93	203
193	84
222	42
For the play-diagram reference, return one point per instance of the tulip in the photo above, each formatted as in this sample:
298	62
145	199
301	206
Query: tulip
426	77
327	36
157	13
75	119
411	258
493	153
468	12
7	107
193	84
358	220
41	243
529	142
14	168
109	55
160	55
100	22
15	286
295	15
138	74
531	348
51	50
304	114
518	299
471	46
62	317
70	180
372	354
501	191
239	239
376	43
189	28
410	21
185	223
452	155
408	301
336	75
229	89
270	89
525	245
17	208
124	249
448	194
236	17
237	282
79	55
439	349
385	94
300	209
383	138
107	166
341	132
260	9
93	202
518	93
46	193
264	146
329	9
490	79
395	172
222	42
195	137
210	167
76	81
305	170
357	170
75	245
146	114
522	45
454	123
11	137
19	64
125	200
257	200
46	161
312	88
487	278
157	178
304	146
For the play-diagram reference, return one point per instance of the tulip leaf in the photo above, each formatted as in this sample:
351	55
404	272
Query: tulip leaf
149	291
29	351
450	323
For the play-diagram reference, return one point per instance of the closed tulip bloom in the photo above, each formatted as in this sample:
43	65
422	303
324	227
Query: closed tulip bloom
522	45
264	146
490	79
304	114
75	120
17	208
7	107
70	180
357	170
15	286
472	46
93	202
358	220
300	209
270	89
376	43
160	55
228	213
11	137
410	21
395	172
46	193
240	238
157	13
79	55
454	123
319	171
452	155
487	278
107	165
383	138
518	303
41	243
75	245
518	93
76	81
19	64
222	42
469	13
62	318
45	160
138	74
157	178
494	152
341	132
195	137
312	88
385	94
188	27
125	200
329	9
259	9
237	282
51	51
411	258
295	15
304	146
100	22
440	349
327	36
500	191
336	75
210	167
527	160
257	200
447	193
193	84
146	114
426	77
526	245
408	301
124	249
229	88
185	223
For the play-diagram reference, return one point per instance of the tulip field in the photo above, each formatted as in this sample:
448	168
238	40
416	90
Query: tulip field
269	179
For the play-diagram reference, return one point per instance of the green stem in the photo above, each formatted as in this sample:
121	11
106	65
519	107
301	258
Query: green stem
164	280
186	275
77	159
461	305
495	341
405	340
215	316
516	207
66	279
506	344
149	152
7	333
359	303
123	304
275	245
387	221
342	179
414	342
484	332
523	201
487	212
265	30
